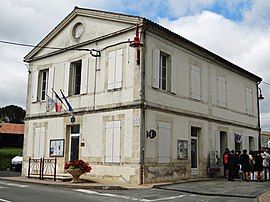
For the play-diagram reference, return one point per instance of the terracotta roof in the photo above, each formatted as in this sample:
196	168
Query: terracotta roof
12	128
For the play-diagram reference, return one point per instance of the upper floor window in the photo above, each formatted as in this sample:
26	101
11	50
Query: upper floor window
75	77
248	99
195	79
221	91
161	69
43	84
115	66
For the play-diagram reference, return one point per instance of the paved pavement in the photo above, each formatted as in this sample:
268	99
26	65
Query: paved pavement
249	191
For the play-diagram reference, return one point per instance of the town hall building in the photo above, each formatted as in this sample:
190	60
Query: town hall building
146	107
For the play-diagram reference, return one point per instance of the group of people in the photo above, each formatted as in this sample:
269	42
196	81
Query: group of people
252	166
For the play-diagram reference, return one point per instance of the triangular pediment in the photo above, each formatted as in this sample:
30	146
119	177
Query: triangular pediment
80	26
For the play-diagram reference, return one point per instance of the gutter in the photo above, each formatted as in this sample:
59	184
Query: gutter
142	131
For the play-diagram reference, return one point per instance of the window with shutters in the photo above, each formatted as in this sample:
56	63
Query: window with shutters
75	78
221	91
195	82
115	65
164	146
112	150
161	70
43	84
248	99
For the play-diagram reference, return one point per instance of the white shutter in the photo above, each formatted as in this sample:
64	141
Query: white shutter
36	143
195	82
248	96
221	91
42	142
116	142
111	70
118	69
156	66
84	76
173	75
66	78
50	81
34	86
164	143
109	137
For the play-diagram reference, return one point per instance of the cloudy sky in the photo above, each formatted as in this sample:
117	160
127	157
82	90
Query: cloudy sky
238	30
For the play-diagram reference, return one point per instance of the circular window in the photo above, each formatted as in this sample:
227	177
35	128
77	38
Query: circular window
77	30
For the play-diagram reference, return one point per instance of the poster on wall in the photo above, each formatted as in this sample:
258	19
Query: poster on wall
182	149
57	148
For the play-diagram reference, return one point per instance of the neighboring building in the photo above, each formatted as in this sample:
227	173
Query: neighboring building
11	135
265	140
151	118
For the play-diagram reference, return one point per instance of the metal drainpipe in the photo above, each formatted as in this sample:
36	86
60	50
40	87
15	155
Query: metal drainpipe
142	132
259	121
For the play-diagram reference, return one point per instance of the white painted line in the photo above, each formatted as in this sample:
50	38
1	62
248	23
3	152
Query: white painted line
127	197
2	187
4	200
13	184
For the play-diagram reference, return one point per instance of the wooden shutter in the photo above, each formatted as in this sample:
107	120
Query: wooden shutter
50	81
118	69
164	143
248	97
66	78
111	70
195	82
37	143
173	75
221	91
116	141
42	142
156	66
109	137
34	86
84	76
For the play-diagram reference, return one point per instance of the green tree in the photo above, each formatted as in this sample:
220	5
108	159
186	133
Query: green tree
12	114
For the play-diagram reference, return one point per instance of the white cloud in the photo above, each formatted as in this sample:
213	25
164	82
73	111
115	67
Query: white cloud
259	14
183	7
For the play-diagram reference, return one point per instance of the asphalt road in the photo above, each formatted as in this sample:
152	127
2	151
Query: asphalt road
20	192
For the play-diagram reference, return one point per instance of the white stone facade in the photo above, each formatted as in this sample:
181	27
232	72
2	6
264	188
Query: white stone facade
194	100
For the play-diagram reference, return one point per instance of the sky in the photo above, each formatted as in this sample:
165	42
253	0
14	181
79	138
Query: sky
237	30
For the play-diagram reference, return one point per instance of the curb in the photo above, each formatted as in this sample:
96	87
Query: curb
208	193
75	185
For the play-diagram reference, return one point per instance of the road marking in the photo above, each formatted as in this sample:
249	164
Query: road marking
127	197
4	200
13	184
2	187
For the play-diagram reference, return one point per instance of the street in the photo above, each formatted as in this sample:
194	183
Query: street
25	192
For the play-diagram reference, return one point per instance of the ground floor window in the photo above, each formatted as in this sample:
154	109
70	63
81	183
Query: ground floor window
74	142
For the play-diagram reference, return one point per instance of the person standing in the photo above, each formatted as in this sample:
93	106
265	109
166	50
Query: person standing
266	160
245	165
226	162
258	167
232	165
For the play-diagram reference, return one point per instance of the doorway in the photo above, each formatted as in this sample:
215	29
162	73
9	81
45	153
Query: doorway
74	142
223	143
194	150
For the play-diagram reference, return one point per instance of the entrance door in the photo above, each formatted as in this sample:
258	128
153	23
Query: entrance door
74	142
194	150
223	143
